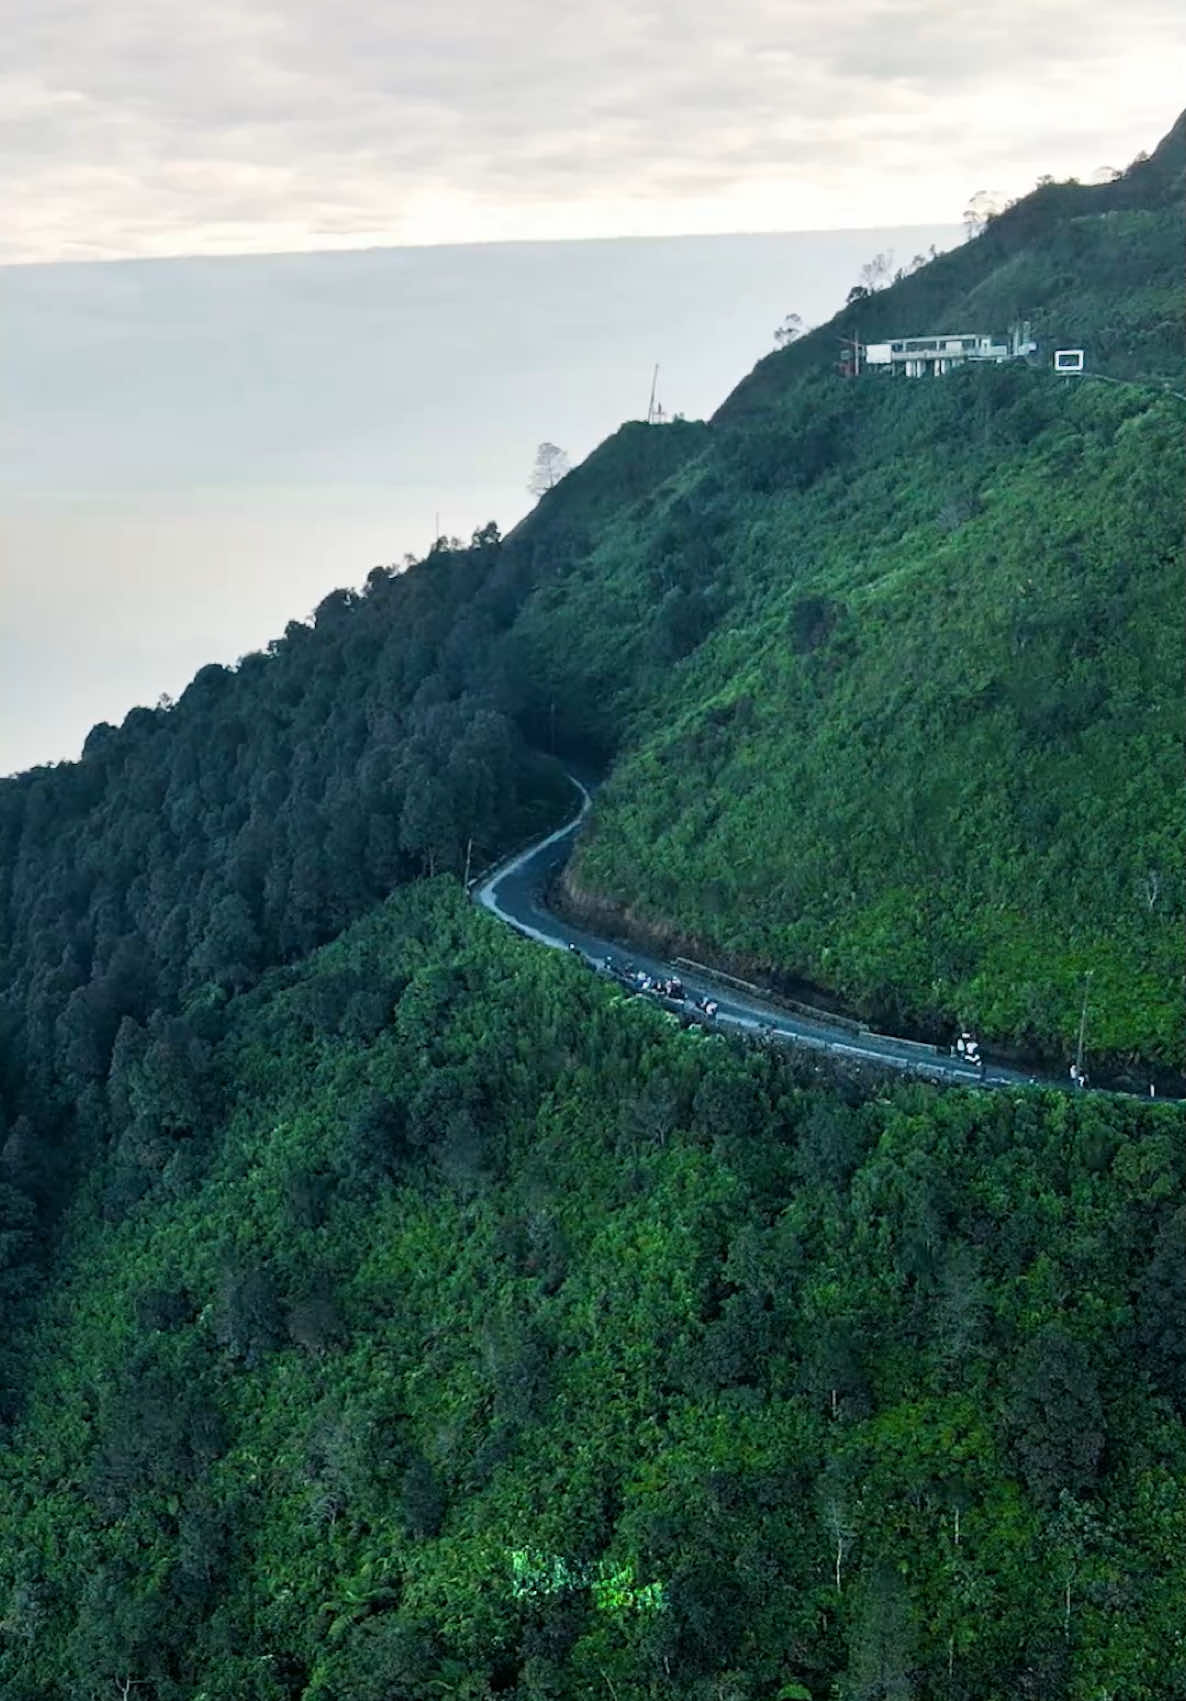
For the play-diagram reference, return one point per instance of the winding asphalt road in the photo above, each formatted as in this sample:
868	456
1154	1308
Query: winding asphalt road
515	890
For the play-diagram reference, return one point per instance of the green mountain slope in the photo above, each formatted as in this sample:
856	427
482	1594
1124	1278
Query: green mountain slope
394	1310
886	674
1094	266
500	1338
889	670
935	763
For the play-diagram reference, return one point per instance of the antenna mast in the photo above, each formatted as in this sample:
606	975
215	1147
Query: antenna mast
651	413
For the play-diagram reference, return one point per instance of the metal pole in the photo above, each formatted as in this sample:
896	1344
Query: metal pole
1083	1021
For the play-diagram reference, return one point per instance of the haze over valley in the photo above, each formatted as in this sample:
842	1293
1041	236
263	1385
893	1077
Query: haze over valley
196	451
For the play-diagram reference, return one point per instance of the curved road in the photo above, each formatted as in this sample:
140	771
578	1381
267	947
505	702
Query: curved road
515	890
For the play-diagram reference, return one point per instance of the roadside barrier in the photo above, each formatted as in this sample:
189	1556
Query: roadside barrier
809	1012
906	1044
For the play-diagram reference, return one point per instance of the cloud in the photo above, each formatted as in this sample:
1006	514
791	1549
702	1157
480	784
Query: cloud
157	127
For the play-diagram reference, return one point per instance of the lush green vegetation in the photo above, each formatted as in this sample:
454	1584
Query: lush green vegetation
1085	266
484	1333
891	670
246	824
919	639
395	1310
931	755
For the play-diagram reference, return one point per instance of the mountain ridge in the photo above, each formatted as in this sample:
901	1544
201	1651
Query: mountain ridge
394	1308
791	524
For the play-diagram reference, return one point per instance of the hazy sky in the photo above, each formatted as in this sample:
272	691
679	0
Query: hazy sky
193	452
152	127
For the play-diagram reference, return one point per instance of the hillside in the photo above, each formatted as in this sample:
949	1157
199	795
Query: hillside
883	673
394	1310
491	1336
1085	265
887	672
928	751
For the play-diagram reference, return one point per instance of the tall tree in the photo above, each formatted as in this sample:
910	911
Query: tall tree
551	464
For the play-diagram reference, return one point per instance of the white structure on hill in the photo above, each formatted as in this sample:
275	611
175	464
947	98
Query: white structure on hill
928	357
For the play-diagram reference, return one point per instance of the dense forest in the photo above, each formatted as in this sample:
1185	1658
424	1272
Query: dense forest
395	1310
893	694
916	637
938	769
462	1328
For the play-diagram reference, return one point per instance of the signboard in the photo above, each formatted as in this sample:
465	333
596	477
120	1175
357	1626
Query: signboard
1068	360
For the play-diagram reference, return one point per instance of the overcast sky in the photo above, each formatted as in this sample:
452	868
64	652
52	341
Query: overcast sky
193	452
161	127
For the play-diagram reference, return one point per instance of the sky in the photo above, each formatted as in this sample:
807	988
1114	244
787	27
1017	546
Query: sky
194	452
161	127
285	287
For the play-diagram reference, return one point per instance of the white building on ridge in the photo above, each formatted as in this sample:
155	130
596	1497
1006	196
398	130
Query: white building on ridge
928	357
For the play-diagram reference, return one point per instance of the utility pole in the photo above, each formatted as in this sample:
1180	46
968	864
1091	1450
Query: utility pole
1083	1023
852	356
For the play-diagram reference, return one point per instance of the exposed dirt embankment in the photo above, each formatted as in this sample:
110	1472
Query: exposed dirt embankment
666	939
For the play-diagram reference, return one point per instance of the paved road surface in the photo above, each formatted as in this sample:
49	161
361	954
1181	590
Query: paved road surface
515	893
